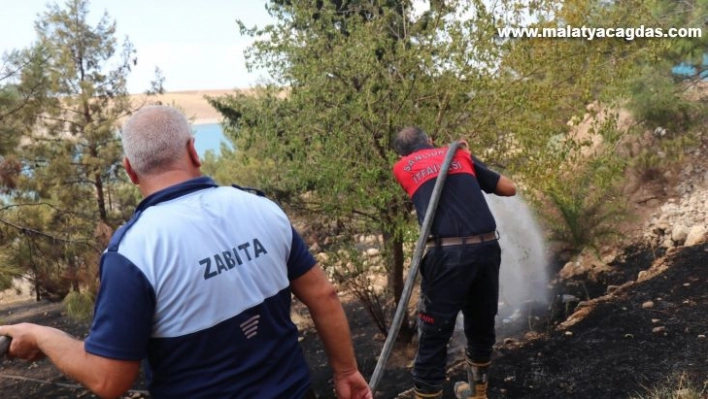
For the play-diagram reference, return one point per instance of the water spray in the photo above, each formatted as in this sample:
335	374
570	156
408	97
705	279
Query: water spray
523	274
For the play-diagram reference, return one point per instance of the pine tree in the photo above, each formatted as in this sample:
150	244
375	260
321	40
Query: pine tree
72	183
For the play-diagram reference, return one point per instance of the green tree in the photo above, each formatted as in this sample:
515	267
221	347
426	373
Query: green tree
18	106
347	75
72	183
87	96
356	72
670	101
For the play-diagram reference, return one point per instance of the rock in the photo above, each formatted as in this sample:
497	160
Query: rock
696	235
679	233
372	252
570	269
659	330
668	243
648	305
322	257
569	298
661	226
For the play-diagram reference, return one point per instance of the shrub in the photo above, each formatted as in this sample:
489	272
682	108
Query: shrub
679	386
79	305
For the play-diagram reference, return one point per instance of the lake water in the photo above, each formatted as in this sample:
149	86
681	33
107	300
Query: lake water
209	137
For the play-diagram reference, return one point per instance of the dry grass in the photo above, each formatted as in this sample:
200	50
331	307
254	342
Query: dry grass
677	386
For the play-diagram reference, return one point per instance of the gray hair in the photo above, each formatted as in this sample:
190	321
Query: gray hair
154	138
410	140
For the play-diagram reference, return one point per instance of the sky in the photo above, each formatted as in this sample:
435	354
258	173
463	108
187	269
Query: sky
197	47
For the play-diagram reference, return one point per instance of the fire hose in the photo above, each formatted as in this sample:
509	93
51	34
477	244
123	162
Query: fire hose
413	272
4	345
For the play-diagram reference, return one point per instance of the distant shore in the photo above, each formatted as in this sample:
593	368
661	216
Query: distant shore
206	121
192	103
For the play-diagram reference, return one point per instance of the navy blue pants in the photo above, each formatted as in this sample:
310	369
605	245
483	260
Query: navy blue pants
456	278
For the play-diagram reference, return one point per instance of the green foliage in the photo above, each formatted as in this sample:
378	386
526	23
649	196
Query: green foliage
71	177
584	202
18	107
349	78
662	103
53	261
351	270
684	14
79	305
236	167
75	150
348	75
7	273
583	215
64	183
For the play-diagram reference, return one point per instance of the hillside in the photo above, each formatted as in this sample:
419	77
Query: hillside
192	103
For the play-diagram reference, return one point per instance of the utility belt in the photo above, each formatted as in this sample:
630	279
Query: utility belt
450	241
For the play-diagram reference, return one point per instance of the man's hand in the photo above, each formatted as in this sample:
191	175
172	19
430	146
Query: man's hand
104	376
464	145
24	341
351	385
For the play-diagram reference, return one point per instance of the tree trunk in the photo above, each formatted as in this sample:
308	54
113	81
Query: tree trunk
100	199
98	184
394	246
37	285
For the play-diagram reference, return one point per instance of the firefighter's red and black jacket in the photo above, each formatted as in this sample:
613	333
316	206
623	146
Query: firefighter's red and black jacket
462	209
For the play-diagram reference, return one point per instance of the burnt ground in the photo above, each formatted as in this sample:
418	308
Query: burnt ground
644	336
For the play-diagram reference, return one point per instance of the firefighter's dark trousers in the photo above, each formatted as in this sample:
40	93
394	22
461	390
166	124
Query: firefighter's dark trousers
456	278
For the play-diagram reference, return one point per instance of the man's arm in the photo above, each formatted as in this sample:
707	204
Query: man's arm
318	294
505	187
107	378
491	181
